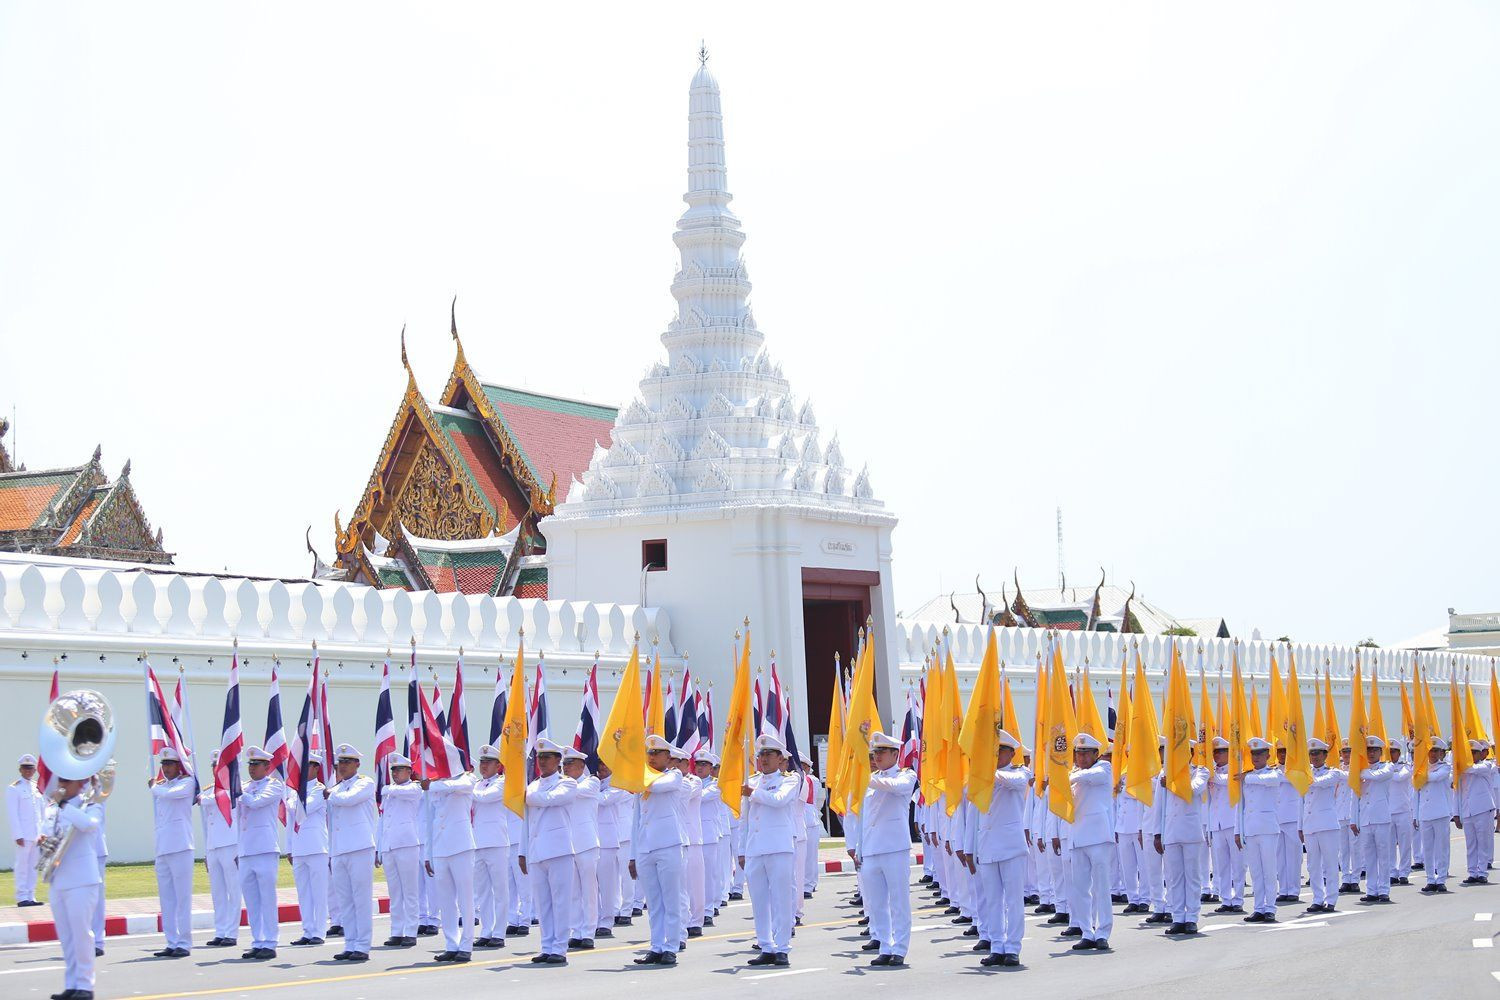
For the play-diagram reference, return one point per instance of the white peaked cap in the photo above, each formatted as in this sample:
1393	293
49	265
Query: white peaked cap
26	760
764	743
1220	743
1007	740
1373	741
167	753
574	754
1083	741
1438	743
545	745
706	757
678	753
880	741
396	760
654	742
347	751
1256	743
488	752
315	758
1476	745
255	754
1316	744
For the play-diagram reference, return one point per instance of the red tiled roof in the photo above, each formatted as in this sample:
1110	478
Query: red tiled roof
24	498
76	528
557	435
537	590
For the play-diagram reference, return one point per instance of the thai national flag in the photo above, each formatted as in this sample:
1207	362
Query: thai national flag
669	715
497	707
325	721
160	727
458	718
757	706
911	743
385	732
536	717
411	743
300	749
43	772
688	737
586	739
773	716
231	745
437	708
182	719
706	718
439	755
275	744
1109	700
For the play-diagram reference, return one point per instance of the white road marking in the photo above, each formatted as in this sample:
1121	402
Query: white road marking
774	975
1484	917
40	968
1293	927
1484	942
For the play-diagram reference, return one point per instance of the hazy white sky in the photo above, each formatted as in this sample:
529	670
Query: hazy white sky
1219	280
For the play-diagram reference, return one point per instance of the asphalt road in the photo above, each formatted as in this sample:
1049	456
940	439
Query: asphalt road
1418	945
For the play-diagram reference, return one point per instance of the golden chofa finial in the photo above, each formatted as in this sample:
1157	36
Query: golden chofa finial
520	632
747	621
637	635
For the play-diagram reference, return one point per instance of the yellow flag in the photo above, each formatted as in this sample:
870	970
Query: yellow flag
1275	732
734	760
513	738
932	734
1463	756
979	736
1331	720
1144	762
1062	727
1298	763
1177	723
1239	730
1039	731
1318	716
1088	710
1473	722
836	800
1012	721
862	722
1424	728
1359	729
1494	704
622	745
953	755
1120	761
1377	715
656	703
1203	756
1408	720
1256	728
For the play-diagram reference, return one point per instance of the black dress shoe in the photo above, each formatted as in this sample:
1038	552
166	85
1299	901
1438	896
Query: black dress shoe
164	953
667	958
423	930
361	956
1417	866
1011	959
392	942
584	944
708	921
636	911
1072	932
1118	897
995	959
1176	928
981	945
619	922
1057	918
765	958
337	930
458	956
695	932
1256	918
1223	908
650	958
265	954
863	921
971	931
1159	918
871	945
538	959
963	920
881	960
252	953
1428	890
732	896
98	953
1101	944
1190	928
180	953
343	956
896	962
64	995
442	956
950	911
782	959
556	959
301	941
1031	900
1084	945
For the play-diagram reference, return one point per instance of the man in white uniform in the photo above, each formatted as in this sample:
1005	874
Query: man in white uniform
450	861
771	804
1289	849
1320	828
692	852
1372	821
1434	812
351	805
1093	839
583	822
885	851
307	850
710	804
657	841
998	849
1179	840
221	858
1228	865
491	850
23	809
1403	822
812	818
400	850
1476	808
172	797
1259	832
259	851
548	857
610	798
76	885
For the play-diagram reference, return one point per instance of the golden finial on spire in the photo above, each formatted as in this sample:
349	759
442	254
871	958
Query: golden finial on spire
702	52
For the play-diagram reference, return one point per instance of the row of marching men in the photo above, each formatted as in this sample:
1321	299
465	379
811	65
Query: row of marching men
457	859
1168	857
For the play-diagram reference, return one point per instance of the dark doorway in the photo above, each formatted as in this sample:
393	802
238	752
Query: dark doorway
835	603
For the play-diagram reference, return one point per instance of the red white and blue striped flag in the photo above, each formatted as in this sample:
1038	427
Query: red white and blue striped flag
497	707
231	745
586	739
706	717
385	732
536	716
688	736
275	744
162	731
183	720
458	716
669	715
304	739
43	772
439	755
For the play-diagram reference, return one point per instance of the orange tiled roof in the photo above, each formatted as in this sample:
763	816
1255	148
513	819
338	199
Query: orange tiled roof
76	528
25	497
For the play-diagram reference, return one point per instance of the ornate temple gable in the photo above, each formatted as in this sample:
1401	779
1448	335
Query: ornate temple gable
5	462
111	525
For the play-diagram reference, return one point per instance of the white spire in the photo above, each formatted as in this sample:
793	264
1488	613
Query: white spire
717	417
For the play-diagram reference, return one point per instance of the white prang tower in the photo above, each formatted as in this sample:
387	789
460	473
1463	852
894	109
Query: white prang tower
718	473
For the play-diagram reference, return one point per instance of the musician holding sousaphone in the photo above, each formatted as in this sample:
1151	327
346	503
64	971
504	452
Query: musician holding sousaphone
77	737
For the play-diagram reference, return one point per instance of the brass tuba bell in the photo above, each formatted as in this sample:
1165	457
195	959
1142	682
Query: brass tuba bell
76	742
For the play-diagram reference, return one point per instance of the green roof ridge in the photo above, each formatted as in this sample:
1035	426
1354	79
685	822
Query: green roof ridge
553	404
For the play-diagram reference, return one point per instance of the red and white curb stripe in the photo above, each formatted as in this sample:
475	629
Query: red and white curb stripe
846	867
145	923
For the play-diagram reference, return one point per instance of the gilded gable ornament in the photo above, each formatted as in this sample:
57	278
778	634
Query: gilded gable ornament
436	504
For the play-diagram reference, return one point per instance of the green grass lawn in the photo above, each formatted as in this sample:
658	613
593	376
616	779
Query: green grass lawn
132	880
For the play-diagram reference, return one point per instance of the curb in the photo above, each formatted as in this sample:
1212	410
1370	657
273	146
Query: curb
33	931
847	867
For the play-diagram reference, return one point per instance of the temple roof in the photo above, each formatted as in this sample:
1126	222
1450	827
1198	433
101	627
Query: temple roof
26	498
1067	609
557	435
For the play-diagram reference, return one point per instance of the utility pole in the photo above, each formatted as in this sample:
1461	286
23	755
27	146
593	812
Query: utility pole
1061	578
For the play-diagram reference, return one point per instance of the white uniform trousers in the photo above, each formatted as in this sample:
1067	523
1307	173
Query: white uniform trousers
1003	888
1289	861
811	864
258	886
1033	883
312	874
403	876
553	885
174	890
737	876
338	899
1206	867
1262	852
1416	847
799	861
1323	866
770	877
1402	836
1129	849
1183	864
353	877
715	871
73	912
492	890
585	917
224	886
1351	856
1151	874
99	906
1479	841
609	887
692	888
659	874
980	890
1229	868
1436	848
1042	860
625	900
453	888
26	858
522	908
887	895
1088	897
1380	857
